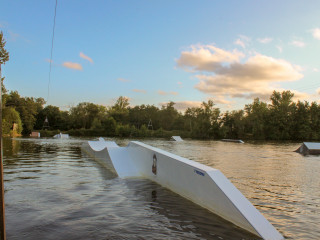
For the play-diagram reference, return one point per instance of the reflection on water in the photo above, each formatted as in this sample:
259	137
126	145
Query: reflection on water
54	191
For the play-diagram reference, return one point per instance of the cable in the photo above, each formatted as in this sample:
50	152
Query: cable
54	25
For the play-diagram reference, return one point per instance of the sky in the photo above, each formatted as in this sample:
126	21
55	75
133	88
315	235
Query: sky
153	52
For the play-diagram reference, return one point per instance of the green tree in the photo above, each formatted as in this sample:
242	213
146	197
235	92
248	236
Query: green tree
301	128
4	54
142	114
203	121
315	121
4	57
96	124
280	119
109	125
28	108
167	115
119	111
58	120
11	117
255	121
84	113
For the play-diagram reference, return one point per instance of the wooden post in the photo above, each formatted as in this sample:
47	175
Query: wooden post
2	212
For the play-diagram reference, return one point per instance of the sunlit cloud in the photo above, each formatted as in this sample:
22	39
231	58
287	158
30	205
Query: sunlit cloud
82	55
139	90
183	105
123	80
255	77
220	100
265	40
318	91
206	58
72	65
298	43
316	33
163	93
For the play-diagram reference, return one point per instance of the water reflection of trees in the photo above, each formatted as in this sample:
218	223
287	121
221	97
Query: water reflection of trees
183	215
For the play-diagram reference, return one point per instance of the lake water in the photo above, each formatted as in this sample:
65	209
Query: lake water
55	191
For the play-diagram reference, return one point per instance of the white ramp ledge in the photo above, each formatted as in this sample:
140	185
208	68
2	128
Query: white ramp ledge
203	185
176	138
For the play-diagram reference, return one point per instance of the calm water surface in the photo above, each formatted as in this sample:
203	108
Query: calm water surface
55	191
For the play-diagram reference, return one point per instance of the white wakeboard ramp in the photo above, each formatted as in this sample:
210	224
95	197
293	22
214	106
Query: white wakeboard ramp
203	185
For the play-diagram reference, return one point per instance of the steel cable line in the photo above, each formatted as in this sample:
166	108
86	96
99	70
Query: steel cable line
54	25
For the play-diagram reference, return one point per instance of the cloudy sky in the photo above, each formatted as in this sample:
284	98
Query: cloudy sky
158	51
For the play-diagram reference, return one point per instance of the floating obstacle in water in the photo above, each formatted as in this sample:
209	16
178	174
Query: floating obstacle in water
61	136
232	140
309	148
203	185
176	138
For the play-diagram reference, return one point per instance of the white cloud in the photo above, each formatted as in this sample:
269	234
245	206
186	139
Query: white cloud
255	77
265	40
297	43
123	80
4	24
82	55
13	36
206	58
242	41
315	69
139	90
72	65
316	33
279	48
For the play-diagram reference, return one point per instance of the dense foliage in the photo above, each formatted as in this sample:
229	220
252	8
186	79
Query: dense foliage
282	119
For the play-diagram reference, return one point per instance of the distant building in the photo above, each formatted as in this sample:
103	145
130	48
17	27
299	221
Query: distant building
35	134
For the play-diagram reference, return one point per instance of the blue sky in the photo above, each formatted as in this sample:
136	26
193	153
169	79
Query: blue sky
158	51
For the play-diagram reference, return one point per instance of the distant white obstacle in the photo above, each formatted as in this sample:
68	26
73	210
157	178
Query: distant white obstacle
232	140
203	185
61	136
309	148
176	138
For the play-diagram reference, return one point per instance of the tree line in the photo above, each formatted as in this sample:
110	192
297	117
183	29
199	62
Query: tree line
282	119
